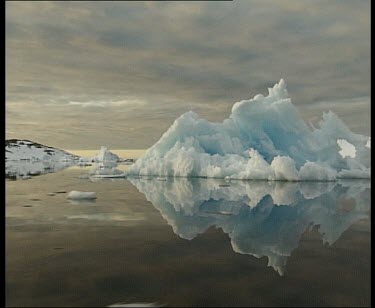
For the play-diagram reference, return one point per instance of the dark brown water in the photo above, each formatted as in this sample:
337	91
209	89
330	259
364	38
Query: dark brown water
186	243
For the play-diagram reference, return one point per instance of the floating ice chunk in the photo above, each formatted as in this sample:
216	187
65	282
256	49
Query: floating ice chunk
282	146
107	169
78	195
105	155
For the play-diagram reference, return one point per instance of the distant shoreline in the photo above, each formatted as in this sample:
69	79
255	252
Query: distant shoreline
132	153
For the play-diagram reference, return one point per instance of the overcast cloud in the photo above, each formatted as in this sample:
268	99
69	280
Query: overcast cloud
84	74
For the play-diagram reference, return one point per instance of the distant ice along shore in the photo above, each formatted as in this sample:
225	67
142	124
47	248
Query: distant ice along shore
25	158
16	149
264	138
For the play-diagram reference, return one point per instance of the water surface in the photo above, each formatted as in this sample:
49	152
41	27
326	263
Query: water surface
186	242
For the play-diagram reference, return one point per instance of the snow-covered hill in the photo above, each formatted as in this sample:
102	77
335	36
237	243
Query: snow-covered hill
16	150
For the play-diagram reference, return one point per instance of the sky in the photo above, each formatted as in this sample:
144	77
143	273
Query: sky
84	74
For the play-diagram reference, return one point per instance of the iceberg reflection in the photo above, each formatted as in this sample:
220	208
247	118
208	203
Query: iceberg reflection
260	218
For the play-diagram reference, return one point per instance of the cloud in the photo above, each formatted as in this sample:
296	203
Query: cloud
176	56
131	102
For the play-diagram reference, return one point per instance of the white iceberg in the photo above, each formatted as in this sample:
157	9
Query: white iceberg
106	169
105	155
269	129
79	195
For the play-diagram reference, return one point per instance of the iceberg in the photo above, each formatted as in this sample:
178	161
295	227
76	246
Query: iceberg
79	195
105	155
106	169
264	138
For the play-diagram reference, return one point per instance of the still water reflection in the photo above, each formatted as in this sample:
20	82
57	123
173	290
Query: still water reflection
25	169
186	242
261	218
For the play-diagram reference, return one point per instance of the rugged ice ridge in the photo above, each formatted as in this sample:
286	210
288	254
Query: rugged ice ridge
261	218
264	138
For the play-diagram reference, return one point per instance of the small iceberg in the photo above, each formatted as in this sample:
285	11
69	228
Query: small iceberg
106	169
105	155
81	195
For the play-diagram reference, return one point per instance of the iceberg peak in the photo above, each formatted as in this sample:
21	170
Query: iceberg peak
279	90
105	155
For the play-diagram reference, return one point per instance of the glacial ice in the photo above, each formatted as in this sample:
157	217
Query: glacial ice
105	155
106	169
79	195
264	138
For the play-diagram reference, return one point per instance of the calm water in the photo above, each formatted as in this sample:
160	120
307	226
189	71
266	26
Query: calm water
180	242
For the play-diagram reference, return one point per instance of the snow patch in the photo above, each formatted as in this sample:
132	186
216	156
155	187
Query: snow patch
347	149
25	150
